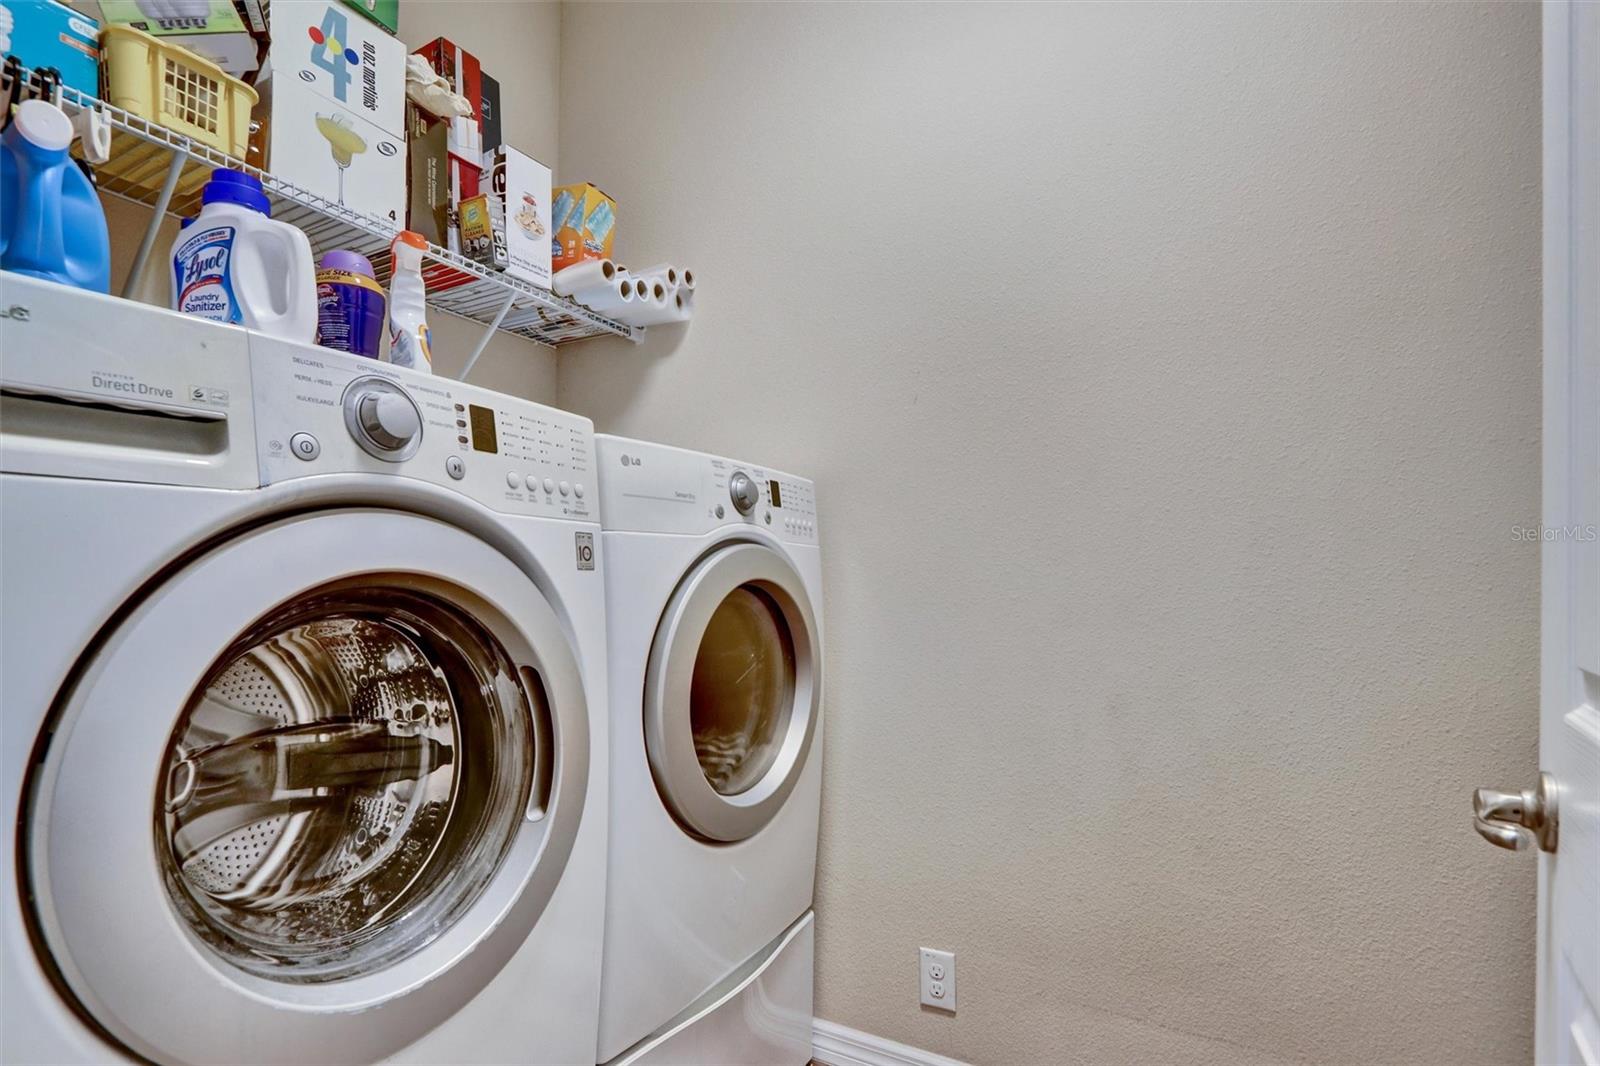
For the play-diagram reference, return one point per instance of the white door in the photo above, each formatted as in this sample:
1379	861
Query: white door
1562	813
1569	717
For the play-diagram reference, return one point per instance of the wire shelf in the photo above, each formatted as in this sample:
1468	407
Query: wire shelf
144	156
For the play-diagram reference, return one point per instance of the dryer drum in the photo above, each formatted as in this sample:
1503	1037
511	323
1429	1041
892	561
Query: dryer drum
742	690
362	755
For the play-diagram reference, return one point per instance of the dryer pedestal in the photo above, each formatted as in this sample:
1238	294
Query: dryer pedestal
762	1013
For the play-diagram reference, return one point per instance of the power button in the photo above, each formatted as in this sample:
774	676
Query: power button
304	446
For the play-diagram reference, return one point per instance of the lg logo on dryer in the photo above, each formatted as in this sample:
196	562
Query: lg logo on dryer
585	550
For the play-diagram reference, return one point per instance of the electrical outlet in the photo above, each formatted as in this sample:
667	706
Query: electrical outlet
937	977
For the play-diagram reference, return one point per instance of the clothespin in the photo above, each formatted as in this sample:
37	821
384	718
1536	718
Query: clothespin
91	125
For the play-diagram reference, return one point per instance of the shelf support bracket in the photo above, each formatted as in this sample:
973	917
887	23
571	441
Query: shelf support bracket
483	342
158	215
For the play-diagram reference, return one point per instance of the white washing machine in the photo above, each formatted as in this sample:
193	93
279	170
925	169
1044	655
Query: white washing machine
713	600
304	753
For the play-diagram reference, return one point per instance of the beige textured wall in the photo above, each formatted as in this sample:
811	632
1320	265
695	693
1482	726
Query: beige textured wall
1170	375
518	43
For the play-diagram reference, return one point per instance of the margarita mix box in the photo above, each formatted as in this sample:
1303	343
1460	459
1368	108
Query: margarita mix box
336	95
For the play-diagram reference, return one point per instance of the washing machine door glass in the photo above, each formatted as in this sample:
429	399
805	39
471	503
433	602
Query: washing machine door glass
361	756
732	691
309	794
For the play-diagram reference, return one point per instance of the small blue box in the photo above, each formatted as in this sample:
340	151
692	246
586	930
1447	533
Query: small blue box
45	33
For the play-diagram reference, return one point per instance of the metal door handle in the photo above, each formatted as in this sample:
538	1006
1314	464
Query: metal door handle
1518	820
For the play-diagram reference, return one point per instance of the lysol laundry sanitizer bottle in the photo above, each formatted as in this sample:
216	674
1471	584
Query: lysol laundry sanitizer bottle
409	341
235	264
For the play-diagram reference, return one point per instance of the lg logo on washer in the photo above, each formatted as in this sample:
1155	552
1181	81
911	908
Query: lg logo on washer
632	460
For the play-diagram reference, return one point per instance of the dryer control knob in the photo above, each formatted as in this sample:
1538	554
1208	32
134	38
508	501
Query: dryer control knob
382	419
744	492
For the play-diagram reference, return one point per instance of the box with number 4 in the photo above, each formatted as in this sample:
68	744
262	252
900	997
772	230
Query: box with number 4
336	108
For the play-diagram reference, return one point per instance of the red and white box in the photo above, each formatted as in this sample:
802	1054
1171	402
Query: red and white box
460	68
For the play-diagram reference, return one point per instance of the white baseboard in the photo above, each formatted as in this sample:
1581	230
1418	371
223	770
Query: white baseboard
839	1045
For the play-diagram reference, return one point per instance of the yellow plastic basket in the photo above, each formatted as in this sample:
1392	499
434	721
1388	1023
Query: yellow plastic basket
175	88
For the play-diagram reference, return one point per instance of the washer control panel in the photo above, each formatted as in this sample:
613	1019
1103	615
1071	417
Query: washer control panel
661	489
324	412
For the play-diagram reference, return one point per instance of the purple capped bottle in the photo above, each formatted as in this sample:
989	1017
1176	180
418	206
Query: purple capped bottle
350	304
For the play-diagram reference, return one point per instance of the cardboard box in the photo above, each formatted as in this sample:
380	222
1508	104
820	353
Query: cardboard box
51	34
460	68
489	117
522	184
385	13
167	19
342	58
585	221
209	28
255	16
428	176
336	91
483	231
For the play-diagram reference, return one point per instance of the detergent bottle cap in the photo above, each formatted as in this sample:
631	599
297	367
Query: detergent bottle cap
347	261
43	125
235	187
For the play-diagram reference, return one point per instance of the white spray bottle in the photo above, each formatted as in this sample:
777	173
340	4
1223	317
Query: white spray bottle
409	341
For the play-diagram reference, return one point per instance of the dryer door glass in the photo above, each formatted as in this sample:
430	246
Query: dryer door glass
732	691
344	782
742	691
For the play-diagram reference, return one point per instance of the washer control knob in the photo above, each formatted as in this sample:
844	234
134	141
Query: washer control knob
744	492
382	419
389	420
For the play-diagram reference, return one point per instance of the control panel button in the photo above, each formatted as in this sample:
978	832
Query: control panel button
513	480
565	488
577	490
305	446
533	482
455	467
549	486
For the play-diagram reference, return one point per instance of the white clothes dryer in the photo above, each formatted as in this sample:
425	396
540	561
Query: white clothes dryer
714	593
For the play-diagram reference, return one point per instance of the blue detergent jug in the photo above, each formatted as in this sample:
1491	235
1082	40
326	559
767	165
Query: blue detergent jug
51	223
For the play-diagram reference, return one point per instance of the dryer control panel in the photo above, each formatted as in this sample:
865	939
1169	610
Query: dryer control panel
661	489
322	412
